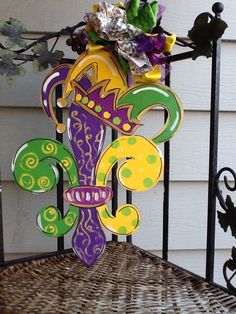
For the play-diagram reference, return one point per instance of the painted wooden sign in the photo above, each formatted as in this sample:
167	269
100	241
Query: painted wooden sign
109	88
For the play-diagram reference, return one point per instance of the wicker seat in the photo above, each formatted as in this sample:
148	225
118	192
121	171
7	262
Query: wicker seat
125	280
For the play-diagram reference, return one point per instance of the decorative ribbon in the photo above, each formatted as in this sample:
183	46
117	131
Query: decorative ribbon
125	30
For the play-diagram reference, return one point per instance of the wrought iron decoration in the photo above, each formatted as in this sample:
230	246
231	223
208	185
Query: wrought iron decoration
227	220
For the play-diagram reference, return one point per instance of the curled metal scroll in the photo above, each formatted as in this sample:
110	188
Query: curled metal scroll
219	193
229	268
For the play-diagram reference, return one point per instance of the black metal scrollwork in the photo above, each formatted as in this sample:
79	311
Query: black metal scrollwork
227	220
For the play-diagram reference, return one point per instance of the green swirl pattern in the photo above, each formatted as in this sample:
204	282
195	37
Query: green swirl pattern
34	169
49	220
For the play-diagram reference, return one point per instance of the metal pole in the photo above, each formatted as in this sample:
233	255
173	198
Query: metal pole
2	259
60	185
213	151
114	186
129	201
165	234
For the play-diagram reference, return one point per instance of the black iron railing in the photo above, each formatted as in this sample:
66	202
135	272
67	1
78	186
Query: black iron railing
212	179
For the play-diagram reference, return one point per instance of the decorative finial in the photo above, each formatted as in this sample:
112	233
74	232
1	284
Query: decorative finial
218	7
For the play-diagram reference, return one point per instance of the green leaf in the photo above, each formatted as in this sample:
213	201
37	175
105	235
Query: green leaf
94	38
8	67
13	30
45	58
124	64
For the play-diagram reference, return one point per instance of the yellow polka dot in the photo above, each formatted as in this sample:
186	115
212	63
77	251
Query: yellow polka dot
91	104
106	115
78	97
126	127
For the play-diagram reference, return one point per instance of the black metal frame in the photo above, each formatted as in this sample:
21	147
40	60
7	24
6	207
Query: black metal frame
2	258
213	152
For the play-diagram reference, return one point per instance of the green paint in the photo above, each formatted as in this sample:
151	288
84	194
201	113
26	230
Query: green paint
37	160
148	182
98	108
113	160
36	163
116	121
101	176
105	214
53	225
126	211
126	173
151	159
135	222
132	140
85	100
115	144
122	230
144	97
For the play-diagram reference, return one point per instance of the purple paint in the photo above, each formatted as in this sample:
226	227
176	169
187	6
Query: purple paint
89	239
107	104
58	75
88	196
87	136
85	83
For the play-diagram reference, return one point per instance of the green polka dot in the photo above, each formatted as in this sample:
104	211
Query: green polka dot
105	215
126	173
151	159
85	100
148	182
122	230
132	141
126	211
115	144
113	159
135	223
101	176
116	121
98	108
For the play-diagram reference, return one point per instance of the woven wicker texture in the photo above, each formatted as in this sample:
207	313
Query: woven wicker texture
125	280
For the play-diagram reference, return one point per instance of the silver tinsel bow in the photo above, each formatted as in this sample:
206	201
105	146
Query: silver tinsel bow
110	23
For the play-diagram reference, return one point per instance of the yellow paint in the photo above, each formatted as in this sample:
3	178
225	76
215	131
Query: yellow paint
114	223
140	172
126	127
103	66
91	104
106	115
78	97
139	149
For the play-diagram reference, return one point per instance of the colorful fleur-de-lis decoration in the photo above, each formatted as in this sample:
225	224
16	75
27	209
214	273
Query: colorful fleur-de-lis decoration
102	97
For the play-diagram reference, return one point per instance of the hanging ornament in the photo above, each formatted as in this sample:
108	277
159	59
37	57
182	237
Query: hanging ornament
114	82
